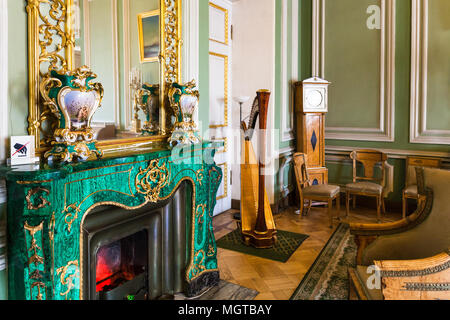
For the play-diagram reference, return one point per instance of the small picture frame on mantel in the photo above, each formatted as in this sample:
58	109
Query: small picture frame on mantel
22	151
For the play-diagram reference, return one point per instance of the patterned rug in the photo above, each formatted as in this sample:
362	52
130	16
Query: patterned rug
327	279
287	243
224	291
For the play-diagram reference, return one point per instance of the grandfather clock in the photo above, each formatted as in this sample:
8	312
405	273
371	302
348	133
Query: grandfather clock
311	106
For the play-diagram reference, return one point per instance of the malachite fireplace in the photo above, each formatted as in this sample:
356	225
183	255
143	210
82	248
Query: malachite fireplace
48	208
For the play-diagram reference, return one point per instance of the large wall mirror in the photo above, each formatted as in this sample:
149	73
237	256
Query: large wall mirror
133	46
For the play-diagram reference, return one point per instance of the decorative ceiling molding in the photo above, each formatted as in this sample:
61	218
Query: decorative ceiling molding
386	130
419	131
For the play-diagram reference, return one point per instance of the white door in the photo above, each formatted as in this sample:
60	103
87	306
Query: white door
220	101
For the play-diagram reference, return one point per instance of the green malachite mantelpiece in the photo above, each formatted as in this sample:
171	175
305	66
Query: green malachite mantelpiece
47	207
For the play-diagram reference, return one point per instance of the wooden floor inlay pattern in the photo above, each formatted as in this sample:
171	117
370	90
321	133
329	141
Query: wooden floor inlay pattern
276	280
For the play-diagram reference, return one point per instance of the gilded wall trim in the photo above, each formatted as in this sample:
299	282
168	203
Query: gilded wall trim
225	89
226	23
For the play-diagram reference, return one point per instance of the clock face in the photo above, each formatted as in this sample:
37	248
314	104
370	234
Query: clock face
314	98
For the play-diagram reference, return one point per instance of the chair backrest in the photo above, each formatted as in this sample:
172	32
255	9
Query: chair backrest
301	174
433	223
369	159
413	162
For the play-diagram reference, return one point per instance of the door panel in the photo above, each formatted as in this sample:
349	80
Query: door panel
220	94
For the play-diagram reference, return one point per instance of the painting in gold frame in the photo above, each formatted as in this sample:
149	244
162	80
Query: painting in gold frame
149	36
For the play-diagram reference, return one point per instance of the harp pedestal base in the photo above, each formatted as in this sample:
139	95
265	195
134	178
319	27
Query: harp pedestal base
260	241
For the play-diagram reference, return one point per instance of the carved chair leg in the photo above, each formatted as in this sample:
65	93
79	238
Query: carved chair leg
378	209
330	212
404	206
302	206
383	205
347	204
338	206
362	242
309	207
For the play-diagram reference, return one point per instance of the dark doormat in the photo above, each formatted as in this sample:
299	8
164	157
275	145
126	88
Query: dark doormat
287	243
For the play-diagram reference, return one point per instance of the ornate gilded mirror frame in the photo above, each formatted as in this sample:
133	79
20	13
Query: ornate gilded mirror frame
51	47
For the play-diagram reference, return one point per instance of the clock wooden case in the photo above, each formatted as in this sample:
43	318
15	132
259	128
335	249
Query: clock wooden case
311	106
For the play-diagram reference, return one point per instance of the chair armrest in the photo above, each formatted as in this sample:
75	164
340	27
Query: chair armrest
373	229
437	263
365	234
422	279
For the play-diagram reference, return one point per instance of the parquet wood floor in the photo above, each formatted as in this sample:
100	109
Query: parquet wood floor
275	280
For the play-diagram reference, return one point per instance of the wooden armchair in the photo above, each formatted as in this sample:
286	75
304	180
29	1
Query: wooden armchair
422	279
307	191
423	234
410	191
368	185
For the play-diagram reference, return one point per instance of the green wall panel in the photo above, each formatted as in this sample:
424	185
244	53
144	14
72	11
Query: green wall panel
352	64
438	98
18	67
402	91
203	109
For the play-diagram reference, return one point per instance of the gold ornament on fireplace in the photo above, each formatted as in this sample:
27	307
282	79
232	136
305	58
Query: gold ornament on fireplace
51	47
68	278
151	180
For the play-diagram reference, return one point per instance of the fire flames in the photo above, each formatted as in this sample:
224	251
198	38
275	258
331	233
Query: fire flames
111	272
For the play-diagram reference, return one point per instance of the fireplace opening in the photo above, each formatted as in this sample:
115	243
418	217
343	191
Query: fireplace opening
139	254
122	262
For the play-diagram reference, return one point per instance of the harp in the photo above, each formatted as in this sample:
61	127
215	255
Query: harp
257	224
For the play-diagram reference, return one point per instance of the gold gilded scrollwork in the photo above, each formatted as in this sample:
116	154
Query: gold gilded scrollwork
200	212
172	40
198	266
151	180
35	258
199	175
40	286
44	202
50	47
211	251
68	280
71	216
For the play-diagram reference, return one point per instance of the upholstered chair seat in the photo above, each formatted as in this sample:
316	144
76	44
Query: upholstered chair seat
308	191
365	187
324	190
411	191
369	185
